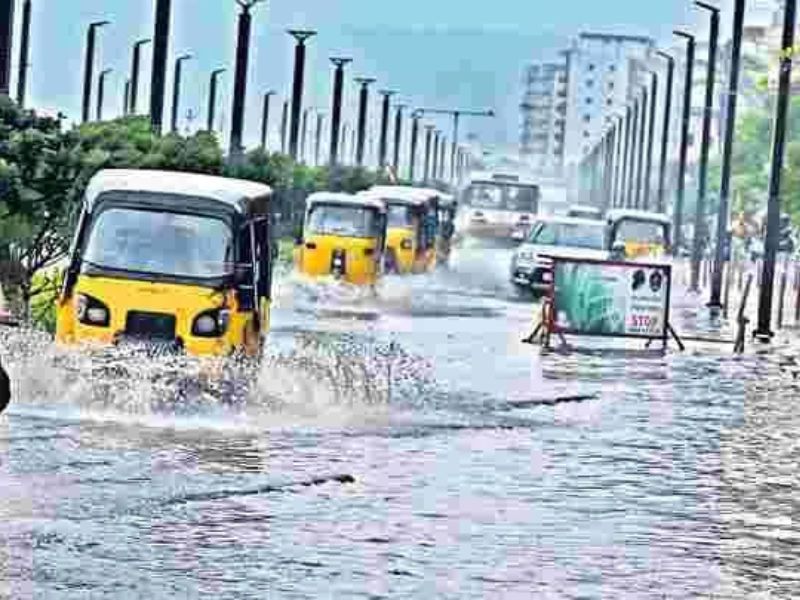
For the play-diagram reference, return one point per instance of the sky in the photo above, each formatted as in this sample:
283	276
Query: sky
468	54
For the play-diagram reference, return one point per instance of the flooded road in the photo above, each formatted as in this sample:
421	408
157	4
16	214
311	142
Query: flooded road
457	462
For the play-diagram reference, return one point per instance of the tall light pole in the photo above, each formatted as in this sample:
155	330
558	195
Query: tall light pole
364	82
764	329
284	125
705	142
435	159
662	172
651	133
642	124
88	71
24	48
685	122
412	160
384	139
244	25
442	156
631	201
6	43
336	106
398	135
176	90
303	136
428	134
126	98
723	217
300	37
318	138
457	114
265	119
212	98
158	77
135	66
625	159
101	87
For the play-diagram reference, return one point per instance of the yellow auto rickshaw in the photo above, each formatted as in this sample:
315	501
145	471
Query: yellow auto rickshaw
638	233
447	227
343	236
412	224
174	259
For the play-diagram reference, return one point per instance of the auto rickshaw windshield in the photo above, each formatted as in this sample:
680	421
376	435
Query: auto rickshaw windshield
643	232
164	243
399	215
342	220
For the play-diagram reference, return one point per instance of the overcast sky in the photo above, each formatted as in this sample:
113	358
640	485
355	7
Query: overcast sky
438	53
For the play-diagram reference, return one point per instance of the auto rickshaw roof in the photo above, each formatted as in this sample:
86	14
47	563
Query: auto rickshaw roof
236	194
339	198
392	194
621	214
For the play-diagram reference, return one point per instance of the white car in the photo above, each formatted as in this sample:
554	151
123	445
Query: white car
562	236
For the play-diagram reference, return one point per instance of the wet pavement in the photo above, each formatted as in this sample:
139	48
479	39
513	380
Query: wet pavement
409	446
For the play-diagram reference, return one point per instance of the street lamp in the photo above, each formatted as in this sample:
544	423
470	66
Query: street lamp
6	40
686	118
176	90
631	195
456	117
300	37
415	117
101	87
700	211
336	106
665	130
384	140
764	330
158	76
284	125
22	67
398	133
723	217
428	133
435	159
244	26
651	132
135	62
364	82
212	98
640	159
91	36
265	119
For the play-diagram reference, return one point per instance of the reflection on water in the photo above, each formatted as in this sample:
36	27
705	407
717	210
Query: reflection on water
422	451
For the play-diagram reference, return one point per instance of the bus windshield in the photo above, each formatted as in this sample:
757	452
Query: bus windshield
341	220
164	243
502	196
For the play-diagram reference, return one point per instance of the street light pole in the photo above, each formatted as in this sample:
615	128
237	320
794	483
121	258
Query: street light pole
640	168
362	117
686	121
244	25
384	139
662	174
101	87
303	136
300	37
212	98
426	171
700	216
265	119
618	160
6	42
284	125
88	68
336	108
158	77
398	133
22	67
723	217
435	159
651	132
318	139
176	90
415	116
126	101
626	151
442	156
135	63
764	330
631	200
456	114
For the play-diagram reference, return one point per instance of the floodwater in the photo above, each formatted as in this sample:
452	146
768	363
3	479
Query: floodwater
407	446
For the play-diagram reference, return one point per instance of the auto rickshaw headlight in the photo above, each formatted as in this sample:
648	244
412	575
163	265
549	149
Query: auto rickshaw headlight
90	311
406	244
212	323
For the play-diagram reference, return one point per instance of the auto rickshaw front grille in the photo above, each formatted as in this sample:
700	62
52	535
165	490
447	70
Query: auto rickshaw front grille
150	325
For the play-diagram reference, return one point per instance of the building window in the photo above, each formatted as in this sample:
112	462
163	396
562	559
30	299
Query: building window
587	118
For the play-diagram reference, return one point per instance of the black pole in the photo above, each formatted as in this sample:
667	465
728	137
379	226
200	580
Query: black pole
265	120
618	160
764	330
135	65
284	125
88	72
384	139
723	217
126	101
236	147
705	142
651	133
303	136
297	87
343	144
686	121
435	156
336	107
398	134
427	170
414	141
662	174
158	79
101	87
24	49
212	98
443	155
640	149
176	92
318	139
362	118
631	192
6	43
608	167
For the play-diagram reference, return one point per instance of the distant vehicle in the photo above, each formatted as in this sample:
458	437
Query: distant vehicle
579	211
638	233
498	207
565	236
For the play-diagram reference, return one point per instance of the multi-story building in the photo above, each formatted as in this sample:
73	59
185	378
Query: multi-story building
543	107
